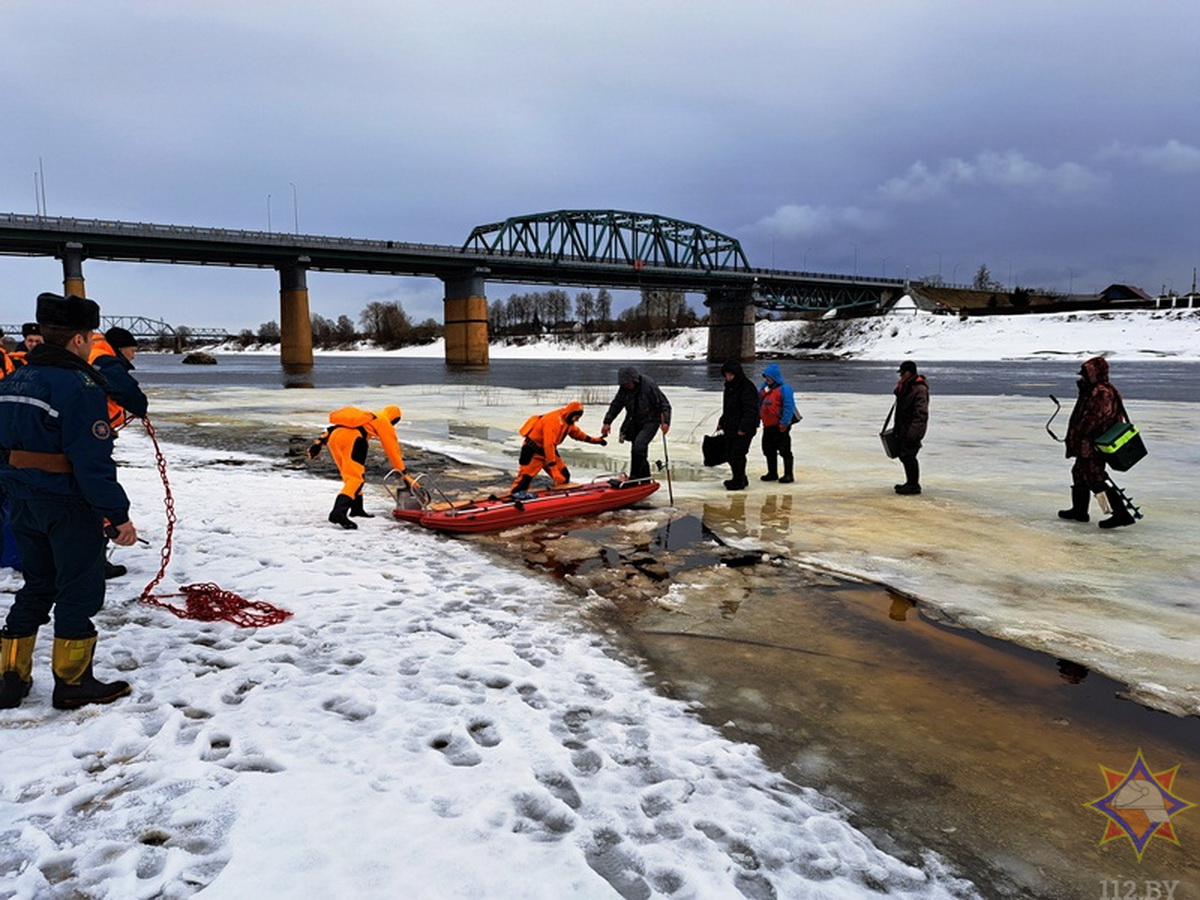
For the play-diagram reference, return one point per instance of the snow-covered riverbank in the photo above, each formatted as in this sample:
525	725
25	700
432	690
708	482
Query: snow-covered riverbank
1130	335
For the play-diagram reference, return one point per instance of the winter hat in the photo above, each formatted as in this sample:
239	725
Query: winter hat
71	312
119	337
908	366
30	328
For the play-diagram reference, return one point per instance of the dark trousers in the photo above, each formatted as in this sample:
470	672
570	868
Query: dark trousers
62	555
1088	471
739	447
776	442
639	454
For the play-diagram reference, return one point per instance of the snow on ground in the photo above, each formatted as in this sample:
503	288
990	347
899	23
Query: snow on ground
1127	335
425	725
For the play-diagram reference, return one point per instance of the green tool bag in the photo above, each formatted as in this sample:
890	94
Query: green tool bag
1121	446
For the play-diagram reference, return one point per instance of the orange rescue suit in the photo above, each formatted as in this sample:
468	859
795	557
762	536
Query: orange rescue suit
349	432
542	436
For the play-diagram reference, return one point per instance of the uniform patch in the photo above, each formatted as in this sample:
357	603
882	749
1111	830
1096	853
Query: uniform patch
101	430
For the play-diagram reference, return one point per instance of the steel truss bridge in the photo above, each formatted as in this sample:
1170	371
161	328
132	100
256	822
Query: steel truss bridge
587	248
142	328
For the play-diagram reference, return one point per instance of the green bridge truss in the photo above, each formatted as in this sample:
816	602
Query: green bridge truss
610	236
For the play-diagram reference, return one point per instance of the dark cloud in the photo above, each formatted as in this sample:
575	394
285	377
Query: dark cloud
1055	141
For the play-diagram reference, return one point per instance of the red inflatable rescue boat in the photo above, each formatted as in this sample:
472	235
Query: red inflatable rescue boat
496	513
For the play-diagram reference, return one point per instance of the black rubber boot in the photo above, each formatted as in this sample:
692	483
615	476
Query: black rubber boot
340	513
787	470
74	683
912	476
16	662
772	470
356	509
1120	515
1080	498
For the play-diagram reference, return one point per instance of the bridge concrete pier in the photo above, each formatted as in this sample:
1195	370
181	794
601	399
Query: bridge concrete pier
465	315
730	326
295	326
72	260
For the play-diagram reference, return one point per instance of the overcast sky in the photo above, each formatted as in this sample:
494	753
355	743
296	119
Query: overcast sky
1057	143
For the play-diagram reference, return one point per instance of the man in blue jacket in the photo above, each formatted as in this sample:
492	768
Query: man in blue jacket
57	468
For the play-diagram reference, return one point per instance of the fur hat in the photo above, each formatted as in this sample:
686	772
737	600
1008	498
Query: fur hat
68	312
30	328
119	337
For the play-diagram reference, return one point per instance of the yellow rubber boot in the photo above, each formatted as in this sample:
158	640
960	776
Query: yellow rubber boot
74	683
16	666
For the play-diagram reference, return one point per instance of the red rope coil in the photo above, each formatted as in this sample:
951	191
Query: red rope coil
206	602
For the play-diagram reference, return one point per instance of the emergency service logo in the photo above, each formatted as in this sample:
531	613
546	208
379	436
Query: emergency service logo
1140	805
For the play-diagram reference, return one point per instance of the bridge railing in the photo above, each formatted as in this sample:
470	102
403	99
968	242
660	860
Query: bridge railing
149	229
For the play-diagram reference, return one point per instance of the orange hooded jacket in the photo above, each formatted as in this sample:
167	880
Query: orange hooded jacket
550	430
349	431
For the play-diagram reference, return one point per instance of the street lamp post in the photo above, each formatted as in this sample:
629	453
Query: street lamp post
883	265
806	251
295	210
268	213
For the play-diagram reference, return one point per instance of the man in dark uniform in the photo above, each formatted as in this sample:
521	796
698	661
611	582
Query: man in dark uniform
646	411
58	472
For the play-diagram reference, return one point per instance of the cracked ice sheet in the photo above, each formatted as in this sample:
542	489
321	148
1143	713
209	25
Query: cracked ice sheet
425	725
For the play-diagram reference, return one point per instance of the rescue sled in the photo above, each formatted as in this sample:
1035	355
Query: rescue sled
497	513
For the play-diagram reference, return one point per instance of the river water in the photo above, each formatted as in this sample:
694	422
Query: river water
1137	380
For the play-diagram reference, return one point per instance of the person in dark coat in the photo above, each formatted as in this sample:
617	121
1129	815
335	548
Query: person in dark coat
58	471
912	418
1097	408
647	410
738	422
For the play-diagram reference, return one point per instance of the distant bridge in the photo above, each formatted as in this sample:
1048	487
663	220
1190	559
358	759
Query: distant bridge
145	329
608	248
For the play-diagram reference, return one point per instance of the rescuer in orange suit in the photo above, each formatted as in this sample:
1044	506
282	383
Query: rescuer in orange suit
348	436
542	436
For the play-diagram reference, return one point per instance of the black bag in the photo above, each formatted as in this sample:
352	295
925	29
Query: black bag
891	440
715	449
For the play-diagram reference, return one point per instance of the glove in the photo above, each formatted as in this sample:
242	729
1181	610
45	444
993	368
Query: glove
314	450
601	441
566	474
